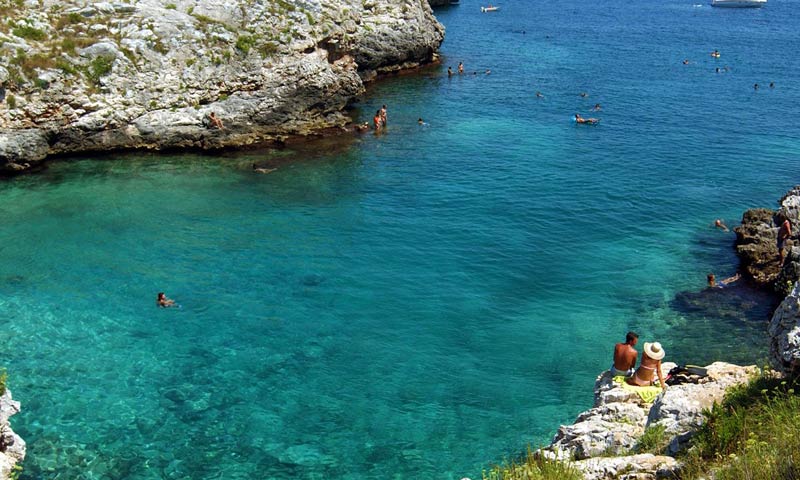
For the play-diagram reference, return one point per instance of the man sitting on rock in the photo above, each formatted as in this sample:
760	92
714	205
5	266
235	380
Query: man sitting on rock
625	356
215	122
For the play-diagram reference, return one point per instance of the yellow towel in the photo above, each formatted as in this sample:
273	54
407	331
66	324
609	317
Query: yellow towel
647	394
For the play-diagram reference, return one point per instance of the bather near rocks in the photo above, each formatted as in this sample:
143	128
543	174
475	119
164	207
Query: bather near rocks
103	76
756	240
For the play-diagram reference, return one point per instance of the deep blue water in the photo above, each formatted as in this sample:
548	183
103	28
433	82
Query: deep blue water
417	304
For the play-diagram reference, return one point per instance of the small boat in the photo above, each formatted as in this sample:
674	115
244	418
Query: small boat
489	9
738	3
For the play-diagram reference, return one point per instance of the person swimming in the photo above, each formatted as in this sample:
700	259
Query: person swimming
596	107
164	302
262	170
721	225
539	94
422	122
712	281
715	54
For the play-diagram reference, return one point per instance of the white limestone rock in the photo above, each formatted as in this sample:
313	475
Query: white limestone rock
784	332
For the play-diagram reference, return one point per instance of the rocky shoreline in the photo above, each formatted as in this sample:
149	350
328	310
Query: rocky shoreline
12	447
603	441
111	76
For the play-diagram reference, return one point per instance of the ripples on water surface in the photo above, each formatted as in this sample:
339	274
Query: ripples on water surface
413	305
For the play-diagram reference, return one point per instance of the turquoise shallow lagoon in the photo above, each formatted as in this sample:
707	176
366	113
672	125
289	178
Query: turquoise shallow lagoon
412	305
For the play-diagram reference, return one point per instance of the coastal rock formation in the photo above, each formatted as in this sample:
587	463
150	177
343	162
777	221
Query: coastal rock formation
619	418
680	409
12	447
756	244
784	332
97	76
644	466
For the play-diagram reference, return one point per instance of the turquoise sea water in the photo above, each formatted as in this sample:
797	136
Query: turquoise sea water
413	305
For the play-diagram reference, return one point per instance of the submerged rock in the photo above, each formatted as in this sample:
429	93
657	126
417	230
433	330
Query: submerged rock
147	75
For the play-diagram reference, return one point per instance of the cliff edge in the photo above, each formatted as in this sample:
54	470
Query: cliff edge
81	76
12	447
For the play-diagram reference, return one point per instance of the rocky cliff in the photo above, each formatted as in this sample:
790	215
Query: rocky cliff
756	245
604	440
79	75
12	447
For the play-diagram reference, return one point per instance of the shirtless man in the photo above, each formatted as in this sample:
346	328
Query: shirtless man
783	234
625	356
721	225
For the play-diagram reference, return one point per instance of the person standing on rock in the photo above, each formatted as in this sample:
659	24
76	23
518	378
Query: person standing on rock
651	362
625	356
783	234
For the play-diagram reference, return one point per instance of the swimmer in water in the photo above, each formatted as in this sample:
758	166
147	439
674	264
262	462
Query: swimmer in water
584	94
262	170
164	302
596	107
460	68
422	122
539	94
686	62
449	72
755	86
721	225
579	119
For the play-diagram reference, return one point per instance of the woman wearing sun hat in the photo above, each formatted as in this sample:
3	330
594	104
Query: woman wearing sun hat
651	362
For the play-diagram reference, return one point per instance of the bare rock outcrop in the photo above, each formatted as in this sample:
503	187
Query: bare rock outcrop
12	447
784	332
95	76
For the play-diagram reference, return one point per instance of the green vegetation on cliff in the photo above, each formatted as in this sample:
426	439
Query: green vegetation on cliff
754	434
533	467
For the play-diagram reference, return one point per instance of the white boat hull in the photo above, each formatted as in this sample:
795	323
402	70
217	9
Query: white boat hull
738	3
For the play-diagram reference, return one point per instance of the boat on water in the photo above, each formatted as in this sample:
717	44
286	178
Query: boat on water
489	9
738	3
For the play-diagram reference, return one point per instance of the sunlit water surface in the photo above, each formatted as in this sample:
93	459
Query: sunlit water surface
413	305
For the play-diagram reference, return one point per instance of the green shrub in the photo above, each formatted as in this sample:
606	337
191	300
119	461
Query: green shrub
29	33
11	101
267	49
99	67
752	435
3	373
171	6
245	43
532	467
654	440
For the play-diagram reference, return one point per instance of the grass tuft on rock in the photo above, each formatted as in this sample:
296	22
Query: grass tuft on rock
533	467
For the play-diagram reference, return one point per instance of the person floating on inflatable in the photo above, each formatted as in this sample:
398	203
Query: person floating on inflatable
589	121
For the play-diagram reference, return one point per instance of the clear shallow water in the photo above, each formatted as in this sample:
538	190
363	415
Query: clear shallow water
414	305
